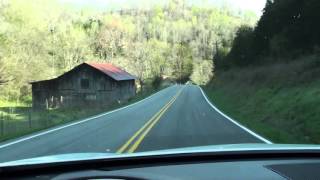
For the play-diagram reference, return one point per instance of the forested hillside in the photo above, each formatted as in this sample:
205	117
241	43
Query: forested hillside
41	39
270	79
287	30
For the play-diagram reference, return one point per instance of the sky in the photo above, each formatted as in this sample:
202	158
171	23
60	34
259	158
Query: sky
253	5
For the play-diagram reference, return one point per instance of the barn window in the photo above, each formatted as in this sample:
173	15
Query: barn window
114	85
85	83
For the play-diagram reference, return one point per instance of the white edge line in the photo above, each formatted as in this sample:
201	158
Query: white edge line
78	122
233	121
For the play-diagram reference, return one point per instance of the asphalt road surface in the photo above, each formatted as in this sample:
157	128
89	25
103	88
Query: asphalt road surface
176	117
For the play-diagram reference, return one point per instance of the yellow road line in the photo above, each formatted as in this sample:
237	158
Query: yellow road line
139	131
138	142
123	148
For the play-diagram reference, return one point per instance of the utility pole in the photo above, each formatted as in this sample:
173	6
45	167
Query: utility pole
217	49
215	53
52	55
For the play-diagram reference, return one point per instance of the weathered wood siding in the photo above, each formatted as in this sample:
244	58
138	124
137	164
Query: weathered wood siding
43	94
83	86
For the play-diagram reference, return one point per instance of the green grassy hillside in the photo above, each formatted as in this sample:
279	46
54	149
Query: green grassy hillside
279	101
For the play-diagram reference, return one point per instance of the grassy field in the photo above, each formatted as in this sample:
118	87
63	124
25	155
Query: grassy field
280	101
18	119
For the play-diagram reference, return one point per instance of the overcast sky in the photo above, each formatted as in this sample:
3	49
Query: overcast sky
254	5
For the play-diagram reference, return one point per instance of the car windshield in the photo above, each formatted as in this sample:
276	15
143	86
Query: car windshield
121	77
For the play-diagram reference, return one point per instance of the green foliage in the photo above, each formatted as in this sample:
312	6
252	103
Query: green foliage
202	72
41	39
278	101
181	62
278	46
241	53
156	82
287	28
220	59
3	79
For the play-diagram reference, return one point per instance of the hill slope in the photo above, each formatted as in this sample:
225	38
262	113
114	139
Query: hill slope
279	101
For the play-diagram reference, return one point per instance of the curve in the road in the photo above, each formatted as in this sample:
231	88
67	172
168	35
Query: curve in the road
233	121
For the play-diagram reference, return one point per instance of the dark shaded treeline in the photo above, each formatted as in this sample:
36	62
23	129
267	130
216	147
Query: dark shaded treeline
287	29
269	81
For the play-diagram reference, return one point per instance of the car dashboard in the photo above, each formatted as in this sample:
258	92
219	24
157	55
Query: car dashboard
231	165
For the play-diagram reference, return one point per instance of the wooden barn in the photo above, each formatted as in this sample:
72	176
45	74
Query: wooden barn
85	85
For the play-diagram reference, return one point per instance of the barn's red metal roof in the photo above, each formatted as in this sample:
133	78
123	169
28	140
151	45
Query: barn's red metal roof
106	68
112	71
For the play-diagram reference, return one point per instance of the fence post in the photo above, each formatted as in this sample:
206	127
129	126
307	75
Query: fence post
46	117
2	124
9	123
29	118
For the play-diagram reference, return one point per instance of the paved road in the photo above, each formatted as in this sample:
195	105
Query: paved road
178	116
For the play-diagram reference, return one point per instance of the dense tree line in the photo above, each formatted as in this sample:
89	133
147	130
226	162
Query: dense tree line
41	39
287	29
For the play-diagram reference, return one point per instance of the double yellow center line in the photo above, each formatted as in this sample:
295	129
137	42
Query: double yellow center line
137	138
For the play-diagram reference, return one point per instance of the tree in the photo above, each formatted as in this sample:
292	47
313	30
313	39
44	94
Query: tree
181	62
202	72
3	78
138	62
241	52
110	41
284	28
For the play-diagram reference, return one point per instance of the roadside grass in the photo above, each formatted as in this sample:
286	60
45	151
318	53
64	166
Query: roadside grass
18	119
280	101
